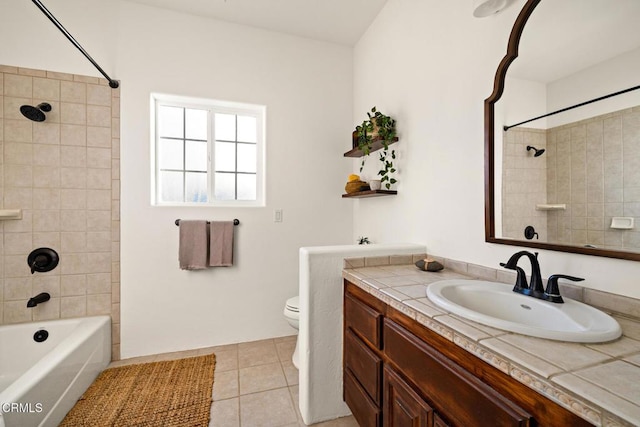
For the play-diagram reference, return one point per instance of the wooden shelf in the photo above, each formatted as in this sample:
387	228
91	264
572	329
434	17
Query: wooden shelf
371	193
375	146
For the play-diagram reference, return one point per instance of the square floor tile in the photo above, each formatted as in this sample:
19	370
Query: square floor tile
285	350
257	353
226	360
267	409
290	372
225	385
261	378
225	413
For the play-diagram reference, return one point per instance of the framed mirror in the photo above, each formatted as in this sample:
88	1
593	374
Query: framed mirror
562	130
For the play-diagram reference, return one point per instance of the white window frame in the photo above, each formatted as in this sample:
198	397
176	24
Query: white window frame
213	107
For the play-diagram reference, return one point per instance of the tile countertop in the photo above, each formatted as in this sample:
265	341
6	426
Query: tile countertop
598	382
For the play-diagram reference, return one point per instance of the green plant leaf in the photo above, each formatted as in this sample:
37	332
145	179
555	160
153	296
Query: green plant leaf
393	180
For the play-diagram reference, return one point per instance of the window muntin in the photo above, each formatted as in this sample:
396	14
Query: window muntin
208	153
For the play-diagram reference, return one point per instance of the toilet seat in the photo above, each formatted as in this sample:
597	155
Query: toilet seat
293	304
292	314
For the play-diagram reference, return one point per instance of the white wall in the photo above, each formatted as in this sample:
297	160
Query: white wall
522	100
617	74
307	88
30	40
439	65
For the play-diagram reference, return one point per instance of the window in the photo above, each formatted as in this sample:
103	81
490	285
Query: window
208	152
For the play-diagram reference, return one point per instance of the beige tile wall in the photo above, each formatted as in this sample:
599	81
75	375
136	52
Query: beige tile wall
64	173
524	180
594	167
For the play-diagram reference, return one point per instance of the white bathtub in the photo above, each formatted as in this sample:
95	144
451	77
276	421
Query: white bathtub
41	381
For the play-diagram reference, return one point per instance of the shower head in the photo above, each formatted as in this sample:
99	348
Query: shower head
35	114
537	152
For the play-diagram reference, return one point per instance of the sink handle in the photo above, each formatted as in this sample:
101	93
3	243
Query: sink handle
552	293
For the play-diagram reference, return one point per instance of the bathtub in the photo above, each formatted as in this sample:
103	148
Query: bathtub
41	381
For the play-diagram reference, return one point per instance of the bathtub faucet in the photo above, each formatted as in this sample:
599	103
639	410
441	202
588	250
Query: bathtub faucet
38	299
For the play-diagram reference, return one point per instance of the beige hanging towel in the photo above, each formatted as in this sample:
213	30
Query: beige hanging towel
194	244
221	245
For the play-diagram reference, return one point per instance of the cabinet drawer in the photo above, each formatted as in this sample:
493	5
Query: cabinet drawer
450	389
364	320
366	413
364	364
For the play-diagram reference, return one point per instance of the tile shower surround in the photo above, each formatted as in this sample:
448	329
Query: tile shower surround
599	382
524	180
64	173
591	166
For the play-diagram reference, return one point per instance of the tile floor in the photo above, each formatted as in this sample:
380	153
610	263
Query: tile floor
255	384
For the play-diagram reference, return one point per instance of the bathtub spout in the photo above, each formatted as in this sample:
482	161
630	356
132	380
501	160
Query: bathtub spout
38	299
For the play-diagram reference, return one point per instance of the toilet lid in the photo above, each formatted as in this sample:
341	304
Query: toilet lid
293	304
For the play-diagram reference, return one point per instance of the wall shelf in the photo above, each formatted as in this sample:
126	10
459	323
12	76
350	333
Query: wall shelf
370	193
551	207
6	214
375	146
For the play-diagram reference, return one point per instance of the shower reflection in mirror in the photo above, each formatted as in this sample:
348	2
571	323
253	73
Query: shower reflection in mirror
36	113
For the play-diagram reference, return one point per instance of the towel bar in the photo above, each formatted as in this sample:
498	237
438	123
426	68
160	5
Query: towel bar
235	222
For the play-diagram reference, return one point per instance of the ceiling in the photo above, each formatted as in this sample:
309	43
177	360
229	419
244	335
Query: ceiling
336	21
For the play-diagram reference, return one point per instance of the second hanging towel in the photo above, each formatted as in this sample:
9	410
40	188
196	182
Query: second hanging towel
221	244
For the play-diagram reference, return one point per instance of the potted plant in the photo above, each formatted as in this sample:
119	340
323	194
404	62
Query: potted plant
387	168
378	126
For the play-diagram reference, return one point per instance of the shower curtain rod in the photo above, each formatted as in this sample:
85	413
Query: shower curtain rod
506	128
112	83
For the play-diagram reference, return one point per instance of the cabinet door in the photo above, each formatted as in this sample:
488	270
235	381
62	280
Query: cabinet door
403	407
438	422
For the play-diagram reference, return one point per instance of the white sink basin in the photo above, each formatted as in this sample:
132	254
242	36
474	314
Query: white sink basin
495	304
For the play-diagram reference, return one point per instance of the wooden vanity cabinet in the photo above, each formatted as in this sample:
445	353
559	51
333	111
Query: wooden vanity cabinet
398	373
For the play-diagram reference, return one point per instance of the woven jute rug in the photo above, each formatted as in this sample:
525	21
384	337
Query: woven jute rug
175	393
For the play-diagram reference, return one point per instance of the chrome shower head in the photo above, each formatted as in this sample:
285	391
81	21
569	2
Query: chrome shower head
36	114
537	152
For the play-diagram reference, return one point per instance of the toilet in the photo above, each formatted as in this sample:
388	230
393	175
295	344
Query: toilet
292	314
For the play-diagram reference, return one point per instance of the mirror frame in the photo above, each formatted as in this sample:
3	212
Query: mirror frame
489	152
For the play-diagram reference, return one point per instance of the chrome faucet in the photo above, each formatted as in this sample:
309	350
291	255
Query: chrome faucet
38	299
536	289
